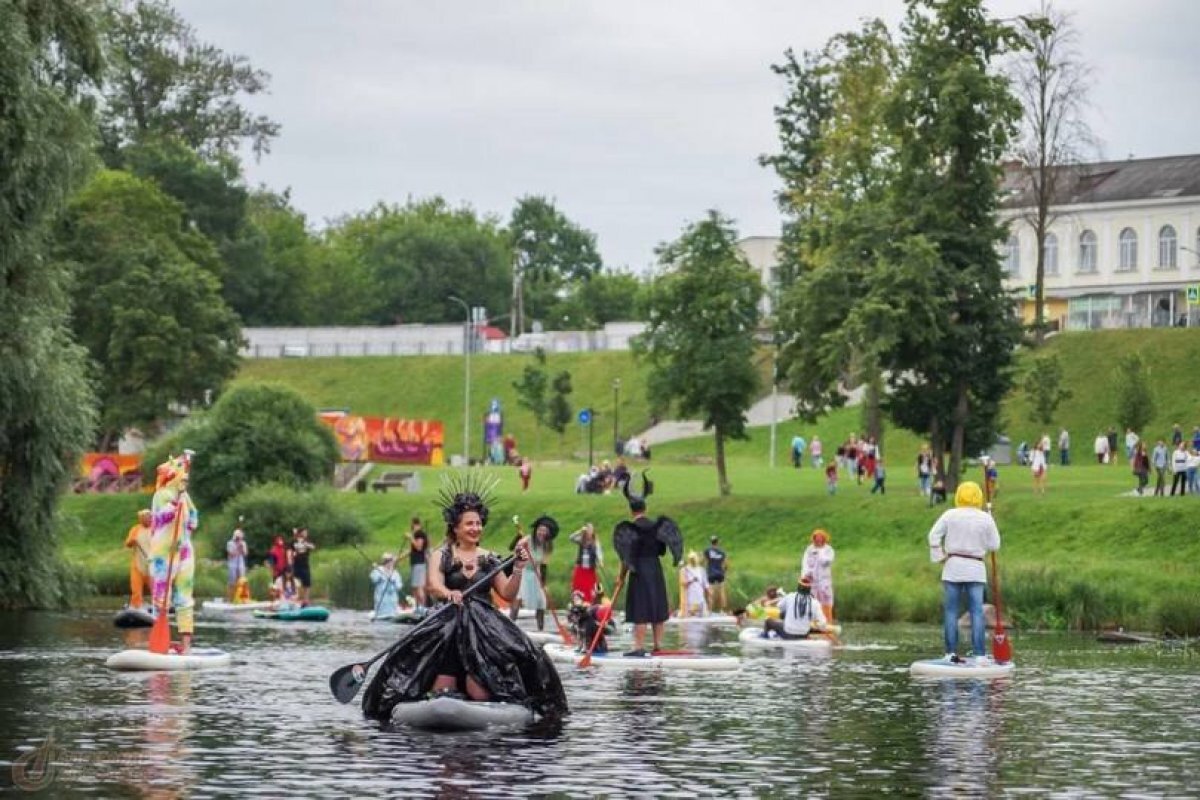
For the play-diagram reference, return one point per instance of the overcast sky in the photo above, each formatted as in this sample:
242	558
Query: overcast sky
635	116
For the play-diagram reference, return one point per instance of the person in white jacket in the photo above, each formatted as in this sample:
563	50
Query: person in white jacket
960	539
1037	465
817	565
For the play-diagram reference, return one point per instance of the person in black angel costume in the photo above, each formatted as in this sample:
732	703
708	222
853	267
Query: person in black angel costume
640	543
472	651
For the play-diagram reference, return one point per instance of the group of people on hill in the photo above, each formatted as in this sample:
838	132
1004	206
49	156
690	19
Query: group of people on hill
858	457
602	478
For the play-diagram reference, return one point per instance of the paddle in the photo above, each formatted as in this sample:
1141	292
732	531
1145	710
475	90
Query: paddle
586	661
160	632
346	681
1002	651
537	570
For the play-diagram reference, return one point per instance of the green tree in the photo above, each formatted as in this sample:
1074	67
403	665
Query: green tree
553	254
558	411
1135	397
1043	386
415	256
605	297
278	286
165	83
531	391
49	57
146	302
256	433
700	341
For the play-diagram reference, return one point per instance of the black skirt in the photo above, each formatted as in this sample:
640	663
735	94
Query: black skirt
646	598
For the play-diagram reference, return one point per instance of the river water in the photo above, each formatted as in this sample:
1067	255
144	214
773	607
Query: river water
1079	718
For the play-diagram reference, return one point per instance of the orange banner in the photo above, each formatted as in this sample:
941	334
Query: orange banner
396	441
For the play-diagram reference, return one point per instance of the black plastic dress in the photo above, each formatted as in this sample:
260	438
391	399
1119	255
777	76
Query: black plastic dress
472	639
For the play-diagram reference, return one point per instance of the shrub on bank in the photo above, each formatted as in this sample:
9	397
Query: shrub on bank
272	510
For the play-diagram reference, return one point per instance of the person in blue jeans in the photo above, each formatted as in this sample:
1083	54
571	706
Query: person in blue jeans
960	540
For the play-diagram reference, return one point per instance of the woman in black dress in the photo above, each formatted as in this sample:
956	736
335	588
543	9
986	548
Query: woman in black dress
471	651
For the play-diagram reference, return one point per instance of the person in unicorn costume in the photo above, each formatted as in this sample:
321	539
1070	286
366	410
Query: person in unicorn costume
173	520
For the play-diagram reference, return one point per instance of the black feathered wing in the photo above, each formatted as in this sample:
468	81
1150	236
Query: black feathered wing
625	537
668	533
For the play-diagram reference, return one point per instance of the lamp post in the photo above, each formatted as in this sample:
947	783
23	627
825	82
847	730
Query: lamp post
616	384
467	383
1187	315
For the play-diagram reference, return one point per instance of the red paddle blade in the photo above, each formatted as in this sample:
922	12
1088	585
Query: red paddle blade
1001	647
160	634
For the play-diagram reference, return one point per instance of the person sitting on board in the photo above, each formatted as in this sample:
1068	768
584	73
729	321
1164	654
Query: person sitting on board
960	540
587	618
468	650
138	540
241	593
694	582
386	584
285	592
800	614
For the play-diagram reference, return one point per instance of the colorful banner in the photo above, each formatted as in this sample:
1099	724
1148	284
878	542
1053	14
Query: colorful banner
109	472
395	441
493	433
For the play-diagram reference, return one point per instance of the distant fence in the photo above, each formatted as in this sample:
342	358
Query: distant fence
434	340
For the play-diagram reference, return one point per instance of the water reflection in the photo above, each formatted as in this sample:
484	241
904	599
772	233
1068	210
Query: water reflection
966	717
853	723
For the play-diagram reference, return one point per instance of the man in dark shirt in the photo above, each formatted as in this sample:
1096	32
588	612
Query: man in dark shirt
301	547
716	562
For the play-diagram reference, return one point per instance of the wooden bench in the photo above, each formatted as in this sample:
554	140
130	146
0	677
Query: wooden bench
392	480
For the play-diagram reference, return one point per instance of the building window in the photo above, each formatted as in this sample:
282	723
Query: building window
1128	242
1050	254
1087	252
1166	248
1012	257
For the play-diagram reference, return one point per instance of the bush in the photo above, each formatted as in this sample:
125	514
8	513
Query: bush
1178	614
274	510
256	433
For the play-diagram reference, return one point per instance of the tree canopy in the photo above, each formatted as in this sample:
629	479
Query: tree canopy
700	341
49	57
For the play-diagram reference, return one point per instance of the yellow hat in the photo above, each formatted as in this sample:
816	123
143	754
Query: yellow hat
968	494
822	532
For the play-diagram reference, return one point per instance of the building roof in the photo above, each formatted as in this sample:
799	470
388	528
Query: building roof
1111	181
491	333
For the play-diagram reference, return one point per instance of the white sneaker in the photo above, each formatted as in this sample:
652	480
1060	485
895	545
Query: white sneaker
982	661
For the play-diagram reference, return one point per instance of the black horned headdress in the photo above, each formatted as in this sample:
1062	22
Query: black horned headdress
461	492
637	502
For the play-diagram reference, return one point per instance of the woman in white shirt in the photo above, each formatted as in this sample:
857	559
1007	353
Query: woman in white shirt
1037	465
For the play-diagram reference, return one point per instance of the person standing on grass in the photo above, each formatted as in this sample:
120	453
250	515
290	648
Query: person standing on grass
831	478
817	451
960	540
1064	447
798	445
1160	458
924	470
1193	463
1179	463
1112	444
1037	465
1140	461
526	472
1131	442
716	563
418	571
880	474
1100	447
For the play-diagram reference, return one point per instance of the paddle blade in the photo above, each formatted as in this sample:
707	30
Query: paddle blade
346	681
1001	647
160	634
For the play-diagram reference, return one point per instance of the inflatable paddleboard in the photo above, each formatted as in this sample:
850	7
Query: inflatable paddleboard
220	608
451	714
306	614
615	660
544	637
144	660
941	668
753	638
711	619
133	618
404	616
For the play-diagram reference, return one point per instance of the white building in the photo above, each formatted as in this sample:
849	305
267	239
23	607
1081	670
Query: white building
1123	247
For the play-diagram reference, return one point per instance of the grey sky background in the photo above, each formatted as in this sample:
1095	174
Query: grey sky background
634	116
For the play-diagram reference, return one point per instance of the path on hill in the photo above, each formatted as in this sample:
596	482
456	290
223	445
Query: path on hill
760	414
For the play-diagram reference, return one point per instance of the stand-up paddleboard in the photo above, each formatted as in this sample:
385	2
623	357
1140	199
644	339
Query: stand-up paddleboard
452	714
133	618
544	637
710	619
943	668
666	660
753	638
305	614
403	616
221	608
144	660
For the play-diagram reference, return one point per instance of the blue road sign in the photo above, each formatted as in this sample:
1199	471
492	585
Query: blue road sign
585	416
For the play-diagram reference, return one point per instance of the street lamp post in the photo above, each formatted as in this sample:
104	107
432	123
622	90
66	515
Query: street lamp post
467	382
616	384
1187	314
